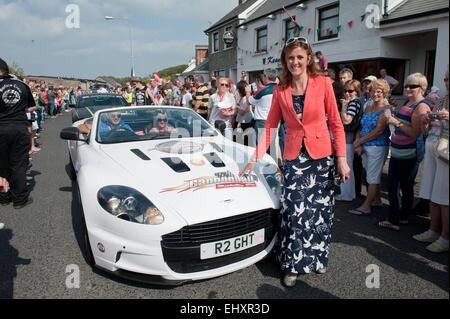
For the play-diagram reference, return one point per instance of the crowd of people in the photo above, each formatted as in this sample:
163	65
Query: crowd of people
326	127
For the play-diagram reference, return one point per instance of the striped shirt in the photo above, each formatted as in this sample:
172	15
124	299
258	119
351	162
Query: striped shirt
403	146
202	95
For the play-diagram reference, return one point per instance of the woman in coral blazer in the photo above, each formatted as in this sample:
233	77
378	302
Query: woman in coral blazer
307	104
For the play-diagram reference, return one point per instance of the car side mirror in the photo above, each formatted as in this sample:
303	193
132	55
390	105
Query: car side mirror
71	134
220	125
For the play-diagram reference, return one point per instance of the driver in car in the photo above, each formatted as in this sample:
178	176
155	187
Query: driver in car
161	125
113	122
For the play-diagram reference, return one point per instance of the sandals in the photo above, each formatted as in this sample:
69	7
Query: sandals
388	225
359	212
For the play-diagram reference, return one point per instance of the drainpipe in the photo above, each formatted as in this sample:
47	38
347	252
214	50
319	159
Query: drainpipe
386	6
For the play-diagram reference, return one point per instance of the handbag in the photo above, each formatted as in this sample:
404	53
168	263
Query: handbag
441	148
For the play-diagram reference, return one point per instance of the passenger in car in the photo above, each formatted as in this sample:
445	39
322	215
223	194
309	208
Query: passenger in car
160	125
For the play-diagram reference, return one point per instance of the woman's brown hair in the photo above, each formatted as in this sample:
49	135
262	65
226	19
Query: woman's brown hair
311	69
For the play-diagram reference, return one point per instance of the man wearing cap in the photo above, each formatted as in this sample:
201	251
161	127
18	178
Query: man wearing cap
15	99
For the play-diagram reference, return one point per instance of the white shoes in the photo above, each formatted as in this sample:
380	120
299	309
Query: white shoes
439	246
427	237
2	225
290	279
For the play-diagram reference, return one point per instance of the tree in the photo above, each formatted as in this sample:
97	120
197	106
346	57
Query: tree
15	69
170	73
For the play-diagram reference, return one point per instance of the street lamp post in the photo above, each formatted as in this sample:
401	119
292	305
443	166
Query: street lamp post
128	21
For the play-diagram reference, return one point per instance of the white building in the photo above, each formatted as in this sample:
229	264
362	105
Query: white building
403	36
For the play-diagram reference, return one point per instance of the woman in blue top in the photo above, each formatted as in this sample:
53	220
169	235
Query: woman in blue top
372	142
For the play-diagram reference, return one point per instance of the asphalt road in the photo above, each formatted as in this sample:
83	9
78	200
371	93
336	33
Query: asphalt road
39	242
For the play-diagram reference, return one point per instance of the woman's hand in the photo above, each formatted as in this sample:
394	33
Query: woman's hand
343	169
443	115
4	185
357	143
359	150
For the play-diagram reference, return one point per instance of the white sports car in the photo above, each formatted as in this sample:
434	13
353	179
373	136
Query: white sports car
162	200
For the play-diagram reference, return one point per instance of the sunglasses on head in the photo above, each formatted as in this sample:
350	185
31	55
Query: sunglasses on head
412	86
296	39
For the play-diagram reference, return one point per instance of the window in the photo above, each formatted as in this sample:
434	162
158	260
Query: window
227	46
261	40
290	28
215	44
329	22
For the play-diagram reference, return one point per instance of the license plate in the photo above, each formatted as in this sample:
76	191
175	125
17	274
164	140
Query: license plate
230	246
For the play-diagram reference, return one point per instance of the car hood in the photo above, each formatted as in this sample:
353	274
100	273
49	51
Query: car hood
197	179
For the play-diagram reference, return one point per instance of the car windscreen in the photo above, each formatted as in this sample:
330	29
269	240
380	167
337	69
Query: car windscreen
102	101
145	124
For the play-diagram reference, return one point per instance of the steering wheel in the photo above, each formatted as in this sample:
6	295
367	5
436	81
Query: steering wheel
120	134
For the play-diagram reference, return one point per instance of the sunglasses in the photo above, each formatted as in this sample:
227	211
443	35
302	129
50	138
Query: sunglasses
162	120
445	79
412	86
115	116
296	39
349	91
224	84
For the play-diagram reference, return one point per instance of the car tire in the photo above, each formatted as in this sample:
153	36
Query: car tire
87	250
72	172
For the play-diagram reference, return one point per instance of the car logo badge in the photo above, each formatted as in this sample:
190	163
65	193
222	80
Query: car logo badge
101	248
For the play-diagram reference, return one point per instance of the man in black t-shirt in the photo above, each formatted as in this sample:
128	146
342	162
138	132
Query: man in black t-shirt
15	99
139	98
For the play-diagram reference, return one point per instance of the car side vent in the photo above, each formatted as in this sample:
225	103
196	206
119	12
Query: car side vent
176	164
216	147
140	154
214	159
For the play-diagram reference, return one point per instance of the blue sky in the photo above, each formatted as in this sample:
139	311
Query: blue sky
33	33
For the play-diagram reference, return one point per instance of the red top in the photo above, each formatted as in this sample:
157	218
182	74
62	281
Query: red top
312	131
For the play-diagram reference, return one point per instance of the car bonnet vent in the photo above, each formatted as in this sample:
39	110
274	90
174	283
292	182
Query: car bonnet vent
176	164
140	154
214	159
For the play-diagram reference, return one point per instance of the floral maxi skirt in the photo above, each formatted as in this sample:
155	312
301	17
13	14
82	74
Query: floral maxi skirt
307	213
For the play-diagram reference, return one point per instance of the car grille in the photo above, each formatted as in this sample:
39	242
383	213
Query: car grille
181	249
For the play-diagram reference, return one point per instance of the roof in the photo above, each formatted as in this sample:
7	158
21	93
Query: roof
233	14
416	8
270	7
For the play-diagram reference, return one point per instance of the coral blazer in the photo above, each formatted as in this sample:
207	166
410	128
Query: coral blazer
320	110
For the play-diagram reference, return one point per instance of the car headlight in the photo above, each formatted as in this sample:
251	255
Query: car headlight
274	179
130	205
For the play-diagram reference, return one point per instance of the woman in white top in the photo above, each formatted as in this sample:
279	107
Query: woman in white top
222	107
434	184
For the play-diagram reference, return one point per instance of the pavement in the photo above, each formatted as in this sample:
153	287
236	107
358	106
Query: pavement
40	252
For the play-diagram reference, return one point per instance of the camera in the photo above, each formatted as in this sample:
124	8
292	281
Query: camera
433	116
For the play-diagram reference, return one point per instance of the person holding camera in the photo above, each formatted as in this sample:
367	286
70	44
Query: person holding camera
15	99
434	183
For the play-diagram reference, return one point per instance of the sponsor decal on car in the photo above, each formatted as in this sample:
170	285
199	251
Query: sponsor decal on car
222	180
